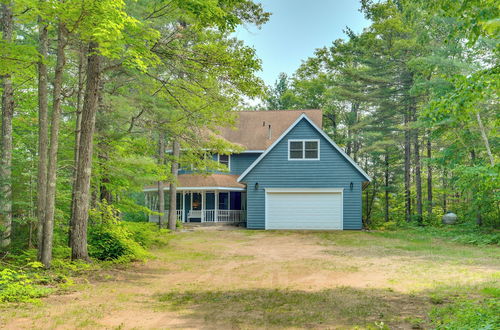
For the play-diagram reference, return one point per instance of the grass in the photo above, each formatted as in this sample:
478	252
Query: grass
437	274
285	308
291	279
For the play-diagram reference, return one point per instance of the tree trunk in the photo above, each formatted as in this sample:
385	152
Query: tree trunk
418	177
172	215
386	190
48	225
78	123
485	139
102	154
161	189
43	131
479	218
407	167
84	167
369	204
429	178
6	143
445	197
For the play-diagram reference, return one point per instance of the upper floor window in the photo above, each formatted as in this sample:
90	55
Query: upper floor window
303	149
225	160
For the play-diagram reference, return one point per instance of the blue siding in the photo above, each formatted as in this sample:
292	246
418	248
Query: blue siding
239	163
331	171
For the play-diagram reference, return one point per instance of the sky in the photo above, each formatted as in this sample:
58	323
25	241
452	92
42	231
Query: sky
296	28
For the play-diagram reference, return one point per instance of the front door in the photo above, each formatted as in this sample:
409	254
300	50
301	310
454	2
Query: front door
196	207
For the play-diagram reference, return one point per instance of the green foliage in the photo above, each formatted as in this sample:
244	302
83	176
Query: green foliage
390	225
18	286
110	240
468	314
147	234
465	233
421	68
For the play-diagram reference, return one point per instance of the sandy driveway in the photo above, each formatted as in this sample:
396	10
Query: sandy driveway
215	278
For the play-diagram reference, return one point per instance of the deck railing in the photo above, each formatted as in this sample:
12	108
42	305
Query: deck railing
217	215
231	216
208	215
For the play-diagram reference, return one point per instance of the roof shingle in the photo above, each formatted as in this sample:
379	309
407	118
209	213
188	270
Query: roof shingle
257	130
213	180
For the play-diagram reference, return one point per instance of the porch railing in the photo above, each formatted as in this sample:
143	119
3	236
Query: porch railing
208	215
217	215
224	216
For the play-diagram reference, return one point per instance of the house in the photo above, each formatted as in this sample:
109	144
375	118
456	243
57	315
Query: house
290	176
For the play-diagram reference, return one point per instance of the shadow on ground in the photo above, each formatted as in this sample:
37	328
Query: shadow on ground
340	307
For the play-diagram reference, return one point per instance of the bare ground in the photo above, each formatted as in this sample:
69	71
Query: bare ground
215	278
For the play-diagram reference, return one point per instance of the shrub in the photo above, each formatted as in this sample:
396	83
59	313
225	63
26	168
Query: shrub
114	242
468	314
16	286
109	239
147	234
390	225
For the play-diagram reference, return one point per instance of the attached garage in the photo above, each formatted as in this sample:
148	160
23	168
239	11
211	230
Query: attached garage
304	208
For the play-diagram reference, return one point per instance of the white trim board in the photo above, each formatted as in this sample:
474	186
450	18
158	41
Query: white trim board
304	190
198	188
303	116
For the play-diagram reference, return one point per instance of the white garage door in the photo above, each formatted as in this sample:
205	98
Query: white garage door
313	208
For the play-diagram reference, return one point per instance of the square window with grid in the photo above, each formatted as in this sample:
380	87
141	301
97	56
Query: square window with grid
303	149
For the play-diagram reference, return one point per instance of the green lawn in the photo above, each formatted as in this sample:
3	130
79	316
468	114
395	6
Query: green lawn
263	279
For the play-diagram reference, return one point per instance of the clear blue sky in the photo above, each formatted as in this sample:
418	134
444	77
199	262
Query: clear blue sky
296	29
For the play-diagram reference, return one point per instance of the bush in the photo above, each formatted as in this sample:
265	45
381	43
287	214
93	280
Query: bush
390	225
109	239
16	286
465	234
114	242
147	234
468	314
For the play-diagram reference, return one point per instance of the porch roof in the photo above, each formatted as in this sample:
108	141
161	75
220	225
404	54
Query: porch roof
204	182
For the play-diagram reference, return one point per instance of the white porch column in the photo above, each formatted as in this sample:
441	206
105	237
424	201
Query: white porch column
216	219
202	206
183	206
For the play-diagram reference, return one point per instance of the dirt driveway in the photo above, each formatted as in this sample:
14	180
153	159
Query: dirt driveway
217	278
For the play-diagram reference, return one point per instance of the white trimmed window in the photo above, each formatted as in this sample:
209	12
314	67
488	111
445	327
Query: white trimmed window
303	149
224	160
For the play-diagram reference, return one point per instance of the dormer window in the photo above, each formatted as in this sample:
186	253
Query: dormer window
303	149
224	160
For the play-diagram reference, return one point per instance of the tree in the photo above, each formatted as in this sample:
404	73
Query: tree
43	139
172	215
84	167
48	224
161	164
6	142
276	99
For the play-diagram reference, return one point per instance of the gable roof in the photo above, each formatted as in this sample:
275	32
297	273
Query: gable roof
252	127
327	138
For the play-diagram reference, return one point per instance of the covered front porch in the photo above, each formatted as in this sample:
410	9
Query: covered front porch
203	206
211	206
212	199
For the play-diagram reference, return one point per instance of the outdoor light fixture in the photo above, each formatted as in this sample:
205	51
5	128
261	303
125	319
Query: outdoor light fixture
352	185
256	185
